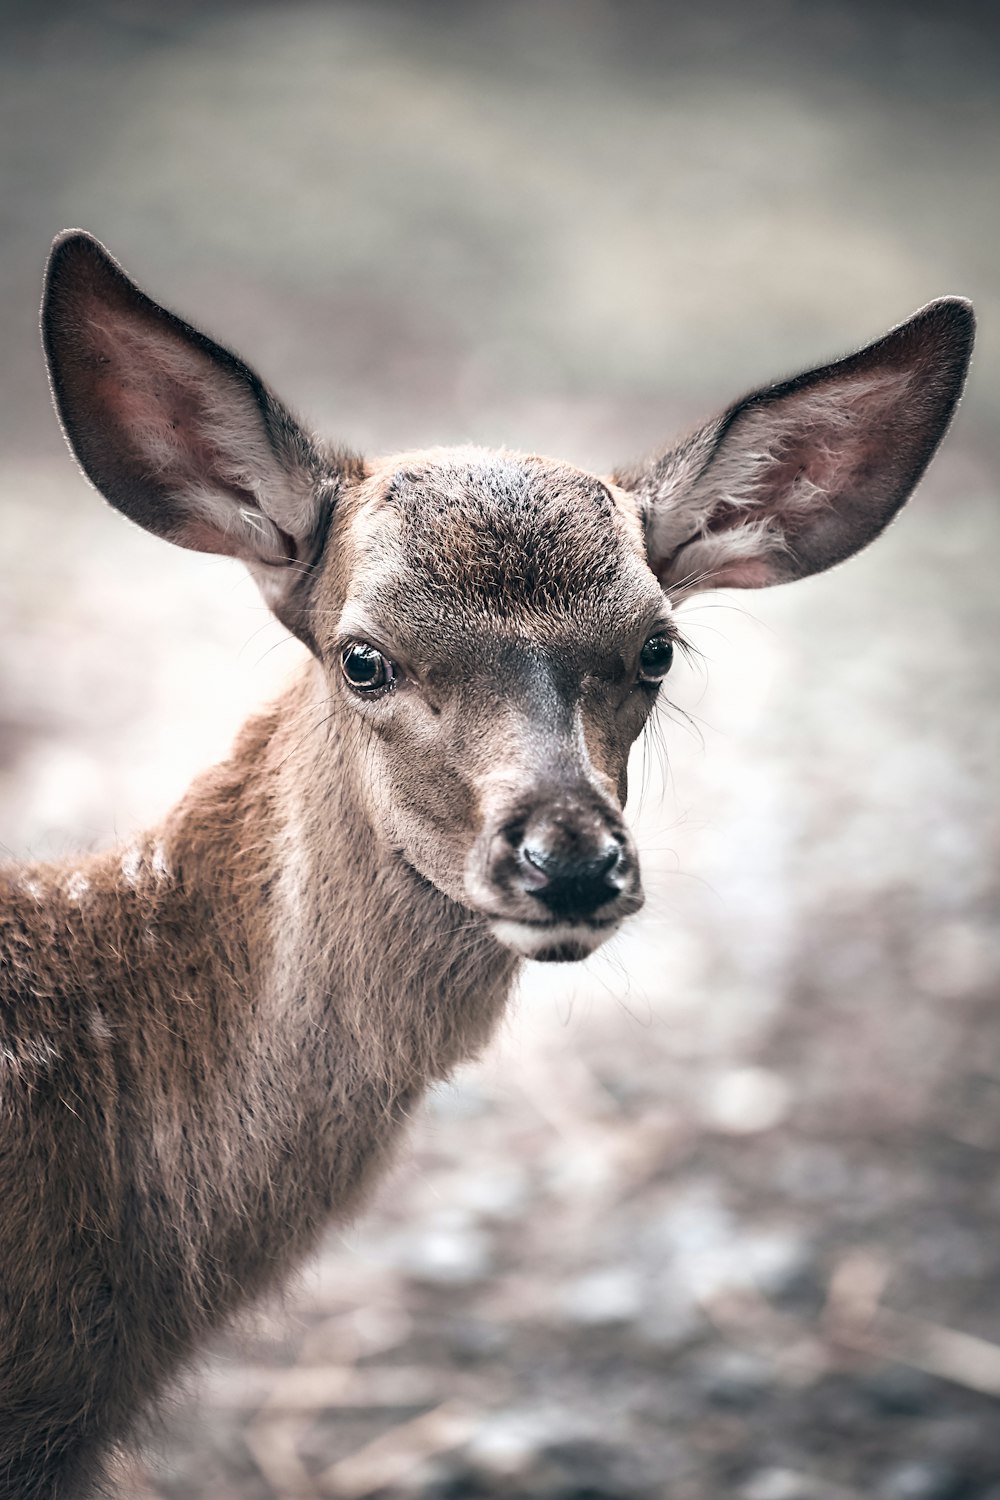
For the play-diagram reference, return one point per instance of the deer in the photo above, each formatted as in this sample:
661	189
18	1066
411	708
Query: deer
212	1036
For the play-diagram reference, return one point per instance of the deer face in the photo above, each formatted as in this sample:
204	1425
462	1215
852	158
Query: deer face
494	628
498	643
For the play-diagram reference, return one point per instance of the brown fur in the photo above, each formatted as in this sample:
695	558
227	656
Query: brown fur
210	1038
176	1133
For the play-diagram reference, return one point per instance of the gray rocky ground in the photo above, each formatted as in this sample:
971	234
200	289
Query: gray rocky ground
720	1212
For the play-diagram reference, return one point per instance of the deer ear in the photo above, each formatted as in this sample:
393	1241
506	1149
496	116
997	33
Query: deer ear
176	432
799	476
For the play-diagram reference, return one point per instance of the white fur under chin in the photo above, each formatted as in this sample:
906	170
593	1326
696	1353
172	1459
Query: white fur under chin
530	940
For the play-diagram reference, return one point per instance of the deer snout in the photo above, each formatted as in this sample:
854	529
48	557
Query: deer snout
558	877
567	873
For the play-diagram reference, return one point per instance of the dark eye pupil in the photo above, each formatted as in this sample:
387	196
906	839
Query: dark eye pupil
656	656
364	667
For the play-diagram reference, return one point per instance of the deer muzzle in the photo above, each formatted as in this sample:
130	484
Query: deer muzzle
556	875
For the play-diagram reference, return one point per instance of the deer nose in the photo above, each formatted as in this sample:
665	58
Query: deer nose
570	878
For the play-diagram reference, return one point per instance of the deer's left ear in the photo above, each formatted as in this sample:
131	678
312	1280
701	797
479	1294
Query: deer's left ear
798	476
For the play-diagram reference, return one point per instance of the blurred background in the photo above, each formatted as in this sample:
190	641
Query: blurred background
719	1213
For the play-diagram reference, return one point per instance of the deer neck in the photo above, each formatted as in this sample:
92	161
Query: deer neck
330	928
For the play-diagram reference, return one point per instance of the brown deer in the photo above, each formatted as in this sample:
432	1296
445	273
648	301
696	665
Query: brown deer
210	1038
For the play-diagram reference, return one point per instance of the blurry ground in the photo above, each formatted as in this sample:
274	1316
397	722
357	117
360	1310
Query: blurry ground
720	1213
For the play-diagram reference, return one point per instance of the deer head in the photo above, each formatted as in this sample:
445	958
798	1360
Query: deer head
493	629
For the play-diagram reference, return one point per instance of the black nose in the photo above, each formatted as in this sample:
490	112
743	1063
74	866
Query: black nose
572	882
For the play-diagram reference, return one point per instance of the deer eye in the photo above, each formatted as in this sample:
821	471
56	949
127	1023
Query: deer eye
655	658
365	669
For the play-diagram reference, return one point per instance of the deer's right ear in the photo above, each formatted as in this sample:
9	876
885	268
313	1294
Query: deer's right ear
178	433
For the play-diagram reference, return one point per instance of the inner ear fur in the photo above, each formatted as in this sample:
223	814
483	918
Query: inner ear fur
800	475
176	431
